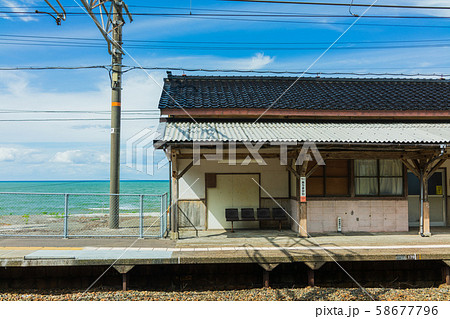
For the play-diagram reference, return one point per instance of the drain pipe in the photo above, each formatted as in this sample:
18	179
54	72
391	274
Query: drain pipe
421	202
422	186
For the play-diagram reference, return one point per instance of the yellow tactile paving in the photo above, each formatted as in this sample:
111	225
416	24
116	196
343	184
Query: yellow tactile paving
41	248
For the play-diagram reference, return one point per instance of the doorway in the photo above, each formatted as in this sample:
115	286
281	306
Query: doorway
232	191
436	197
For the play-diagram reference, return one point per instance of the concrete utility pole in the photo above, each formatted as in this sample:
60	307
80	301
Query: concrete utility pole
116	100
112	21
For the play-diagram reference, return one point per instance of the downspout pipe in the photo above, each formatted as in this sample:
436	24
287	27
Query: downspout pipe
421	202
170	195
422	186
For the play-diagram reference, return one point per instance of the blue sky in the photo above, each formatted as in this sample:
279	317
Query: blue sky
72	150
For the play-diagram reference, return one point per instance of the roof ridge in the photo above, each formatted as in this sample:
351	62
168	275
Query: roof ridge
293	78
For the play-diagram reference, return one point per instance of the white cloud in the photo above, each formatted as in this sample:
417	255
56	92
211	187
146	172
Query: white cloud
21	155
260	60
7	154
79	157
15	7
13	82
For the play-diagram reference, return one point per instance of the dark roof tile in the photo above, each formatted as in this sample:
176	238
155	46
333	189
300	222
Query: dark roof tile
307	93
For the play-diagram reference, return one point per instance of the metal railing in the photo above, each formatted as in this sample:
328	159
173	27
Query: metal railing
82	215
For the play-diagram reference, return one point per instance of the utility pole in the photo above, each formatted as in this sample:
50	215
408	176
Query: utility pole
116	100
110	26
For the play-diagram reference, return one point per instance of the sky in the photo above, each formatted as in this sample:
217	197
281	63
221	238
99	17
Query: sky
77	148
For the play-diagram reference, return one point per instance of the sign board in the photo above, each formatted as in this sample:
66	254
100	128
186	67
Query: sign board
438	189
303	189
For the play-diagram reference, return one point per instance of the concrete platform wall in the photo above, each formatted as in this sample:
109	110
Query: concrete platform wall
358	215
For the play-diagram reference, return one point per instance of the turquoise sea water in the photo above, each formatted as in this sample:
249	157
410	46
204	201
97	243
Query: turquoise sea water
32	204
126	187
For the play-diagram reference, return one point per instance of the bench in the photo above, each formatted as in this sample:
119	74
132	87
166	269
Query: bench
248	214
280	215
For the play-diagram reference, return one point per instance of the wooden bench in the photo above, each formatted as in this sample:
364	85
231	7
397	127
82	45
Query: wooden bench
248	214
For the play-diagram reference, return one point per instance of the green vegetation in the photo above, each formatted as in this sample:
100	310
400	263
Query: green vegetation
57	215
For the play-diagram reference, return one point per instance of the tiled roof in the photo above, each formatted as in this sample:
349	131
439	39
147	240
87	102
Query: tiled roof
211	92
397	133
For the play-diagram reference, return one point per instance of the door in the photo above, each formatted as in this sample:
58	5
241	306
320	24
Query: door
232	191
436	196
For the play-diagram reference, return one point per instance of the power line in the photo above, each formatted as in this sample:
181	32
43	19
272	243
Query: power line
194	15
131	68
346	5
213	42
106	67
15	111
215	48
309	22
75	119
261	1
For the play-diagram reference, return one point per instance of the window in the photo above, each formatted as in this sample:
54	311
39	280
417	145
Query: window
329	180
378	178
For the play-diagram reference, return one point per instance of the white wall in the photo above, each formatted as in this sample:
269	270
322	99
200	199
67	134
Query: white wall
274	177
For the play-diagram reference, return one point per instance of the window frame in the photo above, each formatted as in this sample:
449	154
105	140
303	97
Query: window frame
324	178
378	178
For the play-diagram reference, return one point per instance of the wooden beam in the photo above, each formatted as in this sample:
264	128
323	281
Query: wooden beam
290	169
309	173
373	154
304	168
186	169
435	168
411	167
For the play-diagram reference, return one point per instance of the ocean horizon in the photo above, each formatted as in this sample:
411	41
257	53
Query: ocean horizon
24	204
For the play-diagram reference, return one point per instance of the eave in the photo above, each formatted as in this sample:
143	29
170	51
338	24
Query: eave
308	114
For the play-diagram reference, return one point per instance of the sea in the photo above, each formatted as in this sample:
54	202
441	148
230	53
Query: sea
38	198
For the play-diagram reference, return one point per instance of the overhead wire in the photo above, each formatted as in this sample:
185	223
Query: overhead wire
30	41
287	15
76	119
319	72
306	22
386	6
209	42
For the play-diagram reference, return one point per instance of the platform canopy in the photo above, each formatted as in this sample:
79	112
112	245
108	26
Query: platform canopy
328	132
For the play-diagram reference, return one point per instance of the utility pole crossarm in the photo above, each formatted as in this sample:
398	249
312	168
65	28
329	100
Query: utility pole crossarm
114	19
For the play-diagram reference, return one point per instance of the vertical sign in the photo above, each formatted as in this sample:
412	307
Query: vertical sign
303	189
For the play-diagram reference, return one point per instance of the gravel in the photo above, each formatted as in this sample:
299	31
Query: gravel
308	293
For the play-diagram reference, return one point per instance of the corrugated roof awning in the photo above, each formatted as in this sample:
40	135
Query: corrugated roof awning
270	132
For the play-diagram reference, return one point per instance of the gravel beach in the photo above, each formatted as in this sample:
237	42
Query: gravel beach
284	294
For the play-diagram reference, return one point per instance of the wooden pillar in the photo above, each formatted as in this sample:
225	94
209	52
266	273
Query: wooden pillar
174	195
303	220
125	282
426	209
312	267
310	277
424	169
303	231
124	269
447	275
267	268
266	276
